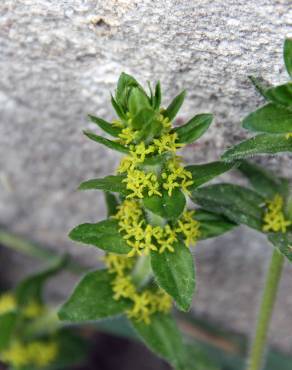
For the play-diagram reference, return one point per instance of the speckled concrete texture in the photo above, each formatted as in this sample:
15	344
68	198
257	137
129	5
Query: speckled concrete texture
59	59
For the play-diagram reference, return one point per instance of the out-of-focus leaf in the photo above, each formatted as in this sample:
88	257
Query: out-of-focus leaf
7	324
239	204
111	203
288	55
260	144
271	118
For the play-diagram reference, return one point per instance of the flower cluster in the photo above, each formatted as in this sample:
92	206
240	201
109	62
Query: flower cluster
289	135
143	237
274	218
7	303
38	354
145	301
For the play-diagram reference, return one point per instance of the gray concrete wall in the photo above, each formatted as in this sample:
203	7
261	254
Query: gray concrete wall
59	60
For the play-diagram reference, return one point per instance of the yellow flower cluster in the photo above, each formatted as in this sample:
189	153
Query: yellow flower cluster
289	135
274	218
37	354
145	302
7	303
143	237
33	309
175	176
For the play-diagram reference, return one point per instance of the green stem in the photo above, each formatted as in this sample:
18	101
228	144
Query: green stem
256	356
20	245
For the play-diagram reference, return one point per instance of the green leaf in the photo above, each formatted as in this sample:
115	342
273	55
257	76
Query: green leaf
111	203
163	338
104	235
119	110
239	204
264	182
260	144
175	273
7	324
281	95
288	55
92	299
157	96
108	183
31	288
282	243
194	128
73	350
108	143
203	173
212	224
169	207
125	83
143	118
260	84
174	106
105	126
138	100
270	118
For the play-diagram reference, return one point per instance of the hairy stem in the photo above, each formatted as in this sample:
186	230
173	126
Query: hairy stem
256	356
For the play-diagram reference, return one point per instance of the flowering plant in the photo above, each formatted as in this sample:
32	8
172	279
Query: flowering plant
147	236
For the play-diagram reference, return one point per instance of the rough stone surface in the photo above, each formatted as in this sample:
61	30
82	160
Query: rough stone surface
60	58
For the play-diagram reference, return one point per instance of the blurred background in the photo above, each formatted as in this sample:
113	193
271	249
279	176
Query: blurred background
59	61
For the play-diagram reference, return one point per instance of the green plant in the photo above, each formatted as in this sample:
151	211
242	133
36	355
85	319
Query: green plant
31	336
149	229
273	121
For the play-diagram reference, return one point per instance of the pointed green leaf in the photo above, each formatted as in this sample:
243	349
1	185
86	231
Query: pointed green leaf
288	55
239	204
169	207
260	144
203	173
212	224
31	288
143	118
111	204
163	338
7	325
174	106
264	182
105	126
175	273
282	243
108	143
104	235
118	109
281	95
92	299
270	118
138	100
108	183
125	83
157	96
194	128
260	84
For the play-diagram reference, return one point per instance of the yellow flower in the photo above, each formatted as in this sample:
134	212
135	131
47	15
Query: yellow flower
7	303
274	218
123	287
33	309
167	143
127	135
189	227
289	135
141	309
117	264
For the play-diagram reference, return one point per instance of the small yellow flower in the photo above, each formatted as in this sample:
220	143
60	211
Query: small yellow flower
274	218
33	309
117	264
289	135
123	287
189	227
7	303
